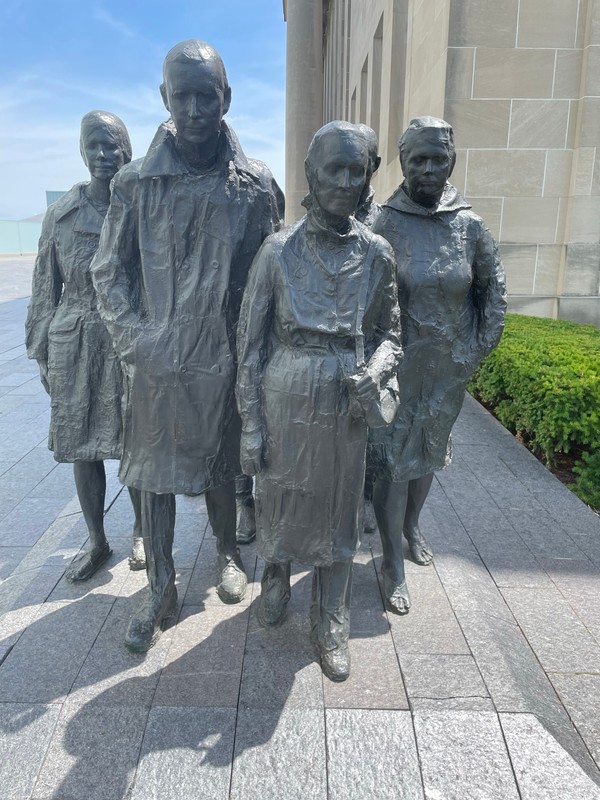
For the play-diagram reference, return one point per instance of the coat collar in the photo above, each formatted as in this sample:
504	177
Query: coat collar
451	200
88	219
163	159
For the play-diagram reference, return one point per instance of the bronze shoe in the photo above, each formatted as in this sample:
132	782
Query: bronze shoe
89	563
336	663
149	620
233	581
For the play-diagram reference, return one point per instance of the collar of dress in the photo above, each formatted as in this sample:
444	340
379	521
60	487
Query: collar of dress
451	200
319	229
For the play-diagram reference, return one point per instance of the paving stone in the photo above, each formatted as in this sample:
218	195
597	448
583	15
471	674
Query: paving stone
93	753
25	731
431	625
544	770
280	754
106	583
462	755
57	546
28	520
440	523
558	638
469	586
577	581
59	482
291	637
10	557
452	704
516	681
375	680
27	587
204	662
281	681
371	754
62	637
580	694
186	753
442	676
110	674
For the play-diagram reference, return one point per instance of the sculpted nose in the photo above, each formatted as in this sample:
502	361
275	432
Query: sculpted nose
194	110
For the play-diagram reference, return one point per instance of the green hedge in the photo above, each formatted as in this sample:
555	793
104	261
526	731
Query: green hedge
543	382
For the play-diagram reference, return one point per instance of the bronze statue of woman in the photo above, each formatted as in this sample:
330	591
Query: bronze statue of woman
318	345
64	333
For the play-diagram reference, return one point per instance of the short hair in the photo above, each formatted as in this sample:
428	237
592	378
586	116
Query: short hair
337	126
419	125
112	121
191	50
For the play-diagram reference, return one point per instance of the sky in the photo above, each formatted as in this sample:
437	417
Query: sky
62	58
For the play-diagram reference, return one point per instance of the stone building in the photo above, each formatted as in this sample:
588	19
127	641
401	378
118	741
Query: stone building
520	82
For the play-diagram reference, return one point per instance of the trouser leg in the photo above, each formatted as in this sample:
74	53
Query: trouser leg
330	605
232	580
135	496
370	522
220	505
158	527
274	593
245	519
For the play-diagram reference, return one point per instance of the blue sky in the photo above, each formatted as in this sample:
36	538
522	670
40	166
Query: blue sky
62	58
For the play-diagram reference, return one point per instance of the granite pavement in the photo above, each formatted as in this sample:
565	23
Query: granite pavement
488	689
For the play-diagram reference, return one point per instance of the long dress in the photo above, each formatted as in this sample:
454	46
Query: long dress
64	328
297	341
452	301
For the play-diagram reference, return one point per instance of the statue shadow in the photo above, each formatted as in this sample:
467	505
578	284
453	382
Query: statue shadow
215	685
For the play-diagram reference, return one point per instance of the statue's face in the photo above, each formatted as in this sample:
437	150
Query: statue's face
426	165
194	95
102	150
339	173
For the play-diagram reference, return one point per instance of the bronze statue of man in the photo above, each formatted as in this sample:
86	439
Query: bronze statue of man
183	226
452	300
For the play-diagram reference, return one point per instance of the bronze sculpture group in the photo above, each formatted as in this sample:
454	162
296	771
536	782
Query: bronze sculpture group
347	340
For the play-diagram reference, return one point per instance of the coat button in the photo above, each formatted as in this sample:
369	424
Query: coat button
183	369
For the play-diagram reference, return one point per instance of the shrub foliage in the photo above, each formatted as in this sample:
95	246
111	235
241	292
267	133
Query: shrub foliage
543	382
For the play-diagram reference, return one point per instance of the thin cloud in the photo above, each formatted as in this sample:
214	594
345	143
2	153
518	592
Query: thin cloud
102	15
